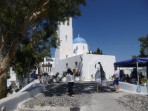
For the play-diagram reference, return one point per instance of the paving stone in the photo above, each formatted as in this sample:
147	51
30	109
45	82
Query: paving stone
56	99
135	102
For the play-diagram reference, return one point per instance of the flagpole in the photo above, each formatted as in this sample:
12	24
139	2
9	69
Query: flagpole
138	87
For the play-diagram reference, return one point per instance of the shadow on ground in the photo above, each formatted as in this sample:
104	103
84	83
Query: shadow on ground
56	95
59	89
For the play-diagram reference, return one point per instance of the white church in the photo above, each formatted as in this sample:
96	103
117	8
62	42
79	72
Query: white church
74	54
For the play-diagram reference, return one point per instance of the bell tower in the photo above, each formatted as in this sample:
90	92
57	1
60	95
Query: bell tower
65	34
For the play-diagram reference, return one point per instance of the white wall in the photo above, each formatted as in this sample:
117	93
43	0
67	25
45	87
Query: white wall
46	69
65	33
12	77
87	62
61	66
12	101
80	48
133	88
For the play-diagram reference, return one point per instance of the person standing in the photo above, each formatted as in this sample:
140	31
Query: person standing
133	76
70	79
116	79
99	76
98	79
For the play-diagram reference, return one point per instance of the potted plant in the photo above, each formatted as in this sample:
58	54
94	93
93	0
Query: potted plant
77	76
144	81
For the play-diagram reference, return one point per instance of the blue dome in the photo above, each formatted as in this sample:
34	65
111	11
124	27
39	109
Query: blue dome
79	40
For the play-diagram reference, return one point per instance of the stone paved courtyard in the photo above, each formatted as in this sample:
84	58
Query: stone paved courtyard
56	95
134	102
85	95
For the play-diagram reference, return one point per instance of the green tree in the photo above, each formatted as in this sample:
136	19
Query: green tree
134	57
17	17
143	45
98	51
32	51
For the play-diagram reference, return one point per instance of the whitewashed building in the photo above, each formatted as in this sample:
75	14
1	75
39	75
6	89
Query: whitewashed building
79	46
74	54
47	65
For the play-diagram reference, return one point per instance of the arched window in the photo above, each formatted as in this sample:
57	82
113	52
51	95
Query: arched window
83	48
65	38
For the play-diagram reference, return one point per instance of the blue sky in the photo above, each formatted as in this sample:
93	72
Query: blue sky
114	26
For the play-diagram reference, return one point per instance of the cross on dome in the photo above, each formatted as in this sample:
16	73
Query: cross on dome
79	40
78	35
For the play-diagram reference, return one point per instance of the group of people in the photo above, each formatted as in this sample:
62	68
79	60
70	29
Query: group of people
120	76
133	78
100	78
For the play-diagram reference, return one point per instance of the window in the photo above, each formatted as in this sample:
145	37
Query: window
68	23
76	64
63	23
66	38
66	65
46	69
66	56
83	48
